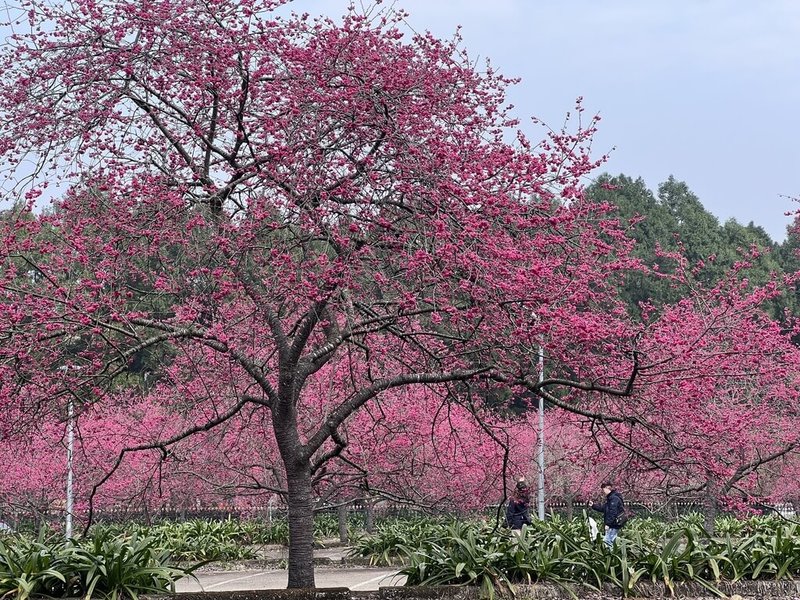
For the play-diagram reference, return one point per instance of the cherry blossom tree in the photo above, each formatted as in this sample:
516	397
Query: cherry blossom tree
269	196
716	418
289	220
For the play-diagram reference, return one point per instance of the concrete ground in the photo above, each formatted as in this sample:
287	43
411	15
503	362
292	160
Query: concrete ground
332	570
355	578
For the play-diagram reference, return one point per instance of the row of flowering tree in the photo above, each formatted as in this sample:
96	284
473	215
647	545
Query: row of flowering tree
296	221
446	461
450	462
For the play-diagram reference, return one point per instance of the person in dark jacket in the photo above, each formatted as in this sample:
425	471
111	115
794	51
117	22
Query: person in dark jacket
612	508
517	513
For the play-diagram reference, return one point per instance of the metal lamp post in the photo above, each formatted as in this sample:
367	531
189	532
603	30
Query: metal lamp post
70	451
541	439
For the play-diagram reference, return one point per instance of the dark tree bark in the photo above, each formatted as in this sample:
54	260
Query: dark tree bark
341	512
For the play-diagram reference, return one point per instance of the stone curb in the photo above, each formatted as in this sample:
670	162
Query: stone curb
745	590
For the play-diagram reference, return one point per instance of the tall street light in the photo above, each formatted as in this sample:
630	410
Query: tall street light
70	451
541	438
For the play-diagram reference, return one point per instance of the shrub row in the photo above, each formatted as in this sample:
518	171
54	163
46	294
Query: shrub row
222	540
562	552
125	561
102	566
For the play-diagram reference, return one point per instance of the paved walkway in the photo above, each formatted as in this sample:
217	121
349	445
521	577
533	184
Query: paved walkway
332	571
333	551
356	578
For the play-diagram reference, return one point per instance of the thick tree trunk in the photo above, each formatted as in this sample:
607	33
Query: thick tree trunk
569	499
369	516
300	493
342	514
301	527
710	508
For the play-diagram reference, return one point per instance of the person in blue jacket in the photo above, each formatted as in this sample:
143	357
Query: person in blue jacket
517	511
612	509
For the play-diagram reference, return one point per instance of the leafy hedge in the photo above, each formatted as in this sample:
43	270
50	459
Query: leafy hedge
561	551
103	566
222	540
125	561
117	562
199	539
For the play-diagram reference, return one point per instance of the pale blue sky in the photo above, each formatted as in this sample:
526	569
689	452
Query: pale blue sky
705	90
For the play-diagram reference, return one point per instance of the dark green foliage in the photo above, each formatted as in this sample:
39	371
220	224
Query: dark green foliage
384	546
651	225
675	234
561	551
125	561
222	540
103	566
326	525
195	540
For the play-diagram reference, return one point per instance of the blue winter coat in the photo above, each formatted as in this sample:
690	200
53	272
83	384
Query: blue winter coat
612	508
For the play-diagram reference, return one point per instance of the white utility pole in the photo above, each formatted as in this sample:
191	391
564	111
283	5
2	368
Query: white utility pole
70	449
541	438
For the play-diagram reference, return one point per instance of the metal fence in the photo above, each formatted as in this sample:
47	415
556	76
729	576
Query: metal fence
29	518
